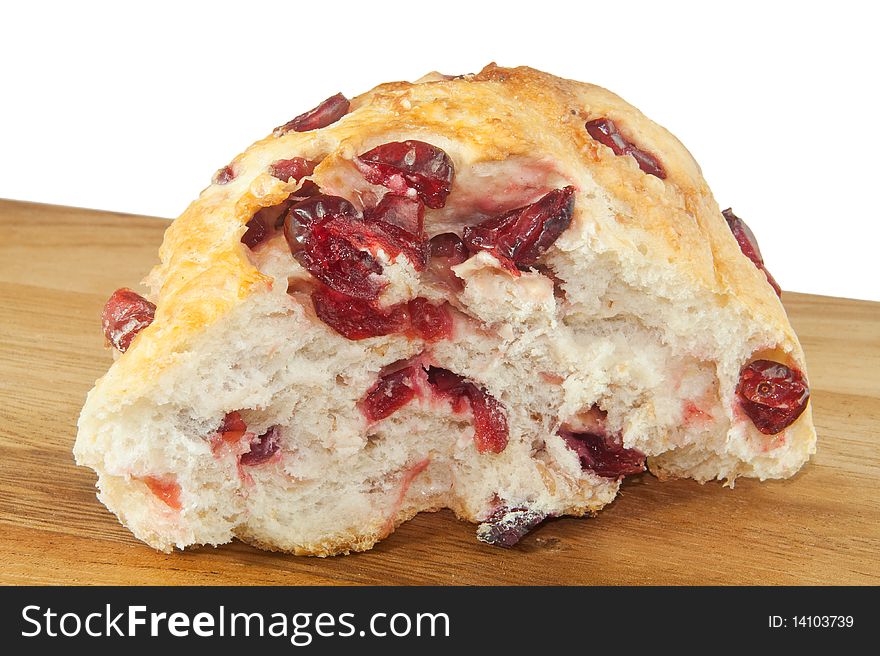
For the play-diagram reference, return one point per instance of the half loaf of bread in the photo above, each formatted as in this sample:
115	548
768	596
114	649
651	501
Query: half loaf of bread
498	293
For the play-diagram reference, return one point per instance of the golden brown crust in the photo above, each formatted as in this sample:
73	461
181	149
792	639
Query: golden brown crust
497	114
365	539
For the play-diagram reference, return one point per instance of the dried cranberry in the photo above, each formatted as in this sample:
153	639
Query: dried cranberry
307	189
263	447
232	422
748	244
329	111
404	165
296	168
772	395
403	212
224	176
329	238
380	235
490	423
265	222
231	431
448	246
274	215
165	489
390	393
256	232
491	432
357	319
430	322
446	251
339	265
446	383
605	132
316	209
519	237
507	527
314	232
603	455
125	314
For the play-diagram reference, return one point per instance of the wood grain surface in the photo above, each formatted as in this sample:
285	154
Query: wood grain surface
59	264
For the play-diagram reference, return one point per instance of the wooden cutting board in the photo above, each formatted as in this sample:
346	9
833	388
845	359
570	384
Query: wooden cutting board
59	264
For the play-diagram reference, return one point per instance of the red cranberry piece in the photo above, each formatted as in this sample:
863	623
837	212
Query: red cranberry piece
125	314
339	265
746	239
275	214
357	319
223	176
507	527
519	237
378	234
446	383
256	232
430	322
231	431
296	168
491	432
605	132
490	423
772	395
307	189
313	233
748	244
166	490
329	111
265	223
448	246
390	393
603	455
450	386
400	211
648	163
404	165
232	423
263	448
316	209
446	250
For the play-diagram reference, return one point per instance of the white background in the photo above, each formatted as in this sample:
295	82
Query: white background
132	106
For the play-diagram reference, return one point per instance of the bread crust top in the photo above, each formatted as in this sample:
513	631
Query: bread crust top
493	116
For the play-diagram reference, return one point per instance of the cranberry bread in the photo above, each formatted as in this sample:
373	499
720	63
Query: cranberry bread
498	293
